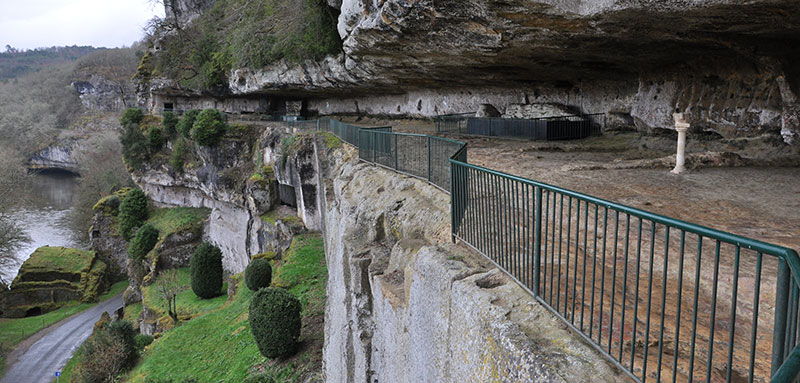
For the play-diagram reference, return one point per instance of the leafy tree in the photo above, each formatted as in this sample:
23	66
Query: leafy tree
134	146
208	128
275	321
170	123
206	271
132	212
131	116
155	138
186	122
176	158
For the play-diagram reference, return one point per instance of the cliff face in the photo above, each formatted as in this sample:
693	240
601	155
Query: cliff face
404	304
730	66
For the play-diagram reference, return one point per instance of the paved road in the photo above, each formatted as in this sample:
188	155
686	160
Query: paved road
40	362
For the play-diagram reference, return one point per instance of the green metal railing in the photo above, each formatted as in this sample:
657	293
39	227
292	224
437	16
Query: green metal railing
609	271
542	128
418	155
664	299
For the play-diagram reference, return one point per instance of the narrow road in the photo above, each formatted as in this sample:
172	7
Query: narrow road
49	354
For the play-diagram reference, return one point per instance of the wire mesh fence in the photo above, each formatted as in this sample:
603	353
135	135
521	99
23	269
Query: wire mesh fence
544	128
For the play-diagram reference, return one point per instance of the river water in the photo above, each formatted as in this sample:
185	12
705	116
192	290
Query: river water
44	213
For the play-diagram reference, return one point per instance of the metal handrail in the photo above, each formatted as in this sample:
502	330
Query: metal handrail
465	180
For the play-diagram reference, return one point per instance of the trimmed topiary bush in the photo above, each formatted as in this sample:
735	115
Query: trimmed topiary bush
144	241
155	138
208	128
131	115
206	271
132	213
170	123
185	124
275	321
258	274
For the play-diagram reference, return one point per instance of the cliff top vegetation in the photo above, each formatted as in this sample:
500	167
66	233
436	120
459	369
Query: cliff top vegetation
236	34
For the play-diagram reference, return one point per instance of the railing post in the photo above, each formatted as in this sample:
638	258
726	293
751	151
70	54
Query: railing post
781	308
395	156
537	246
453	200
429	158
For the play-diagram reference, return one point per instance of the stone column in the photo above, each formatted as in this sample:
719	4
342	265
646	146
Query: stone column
681	126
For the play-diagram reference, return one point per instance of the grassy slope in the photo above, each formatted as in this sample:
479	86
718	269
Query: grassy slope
60	259
218	346
14	331
170	220
188	304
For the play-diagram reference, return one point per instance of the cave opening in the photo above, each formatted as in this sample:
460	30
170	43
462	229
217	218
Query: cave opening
287	195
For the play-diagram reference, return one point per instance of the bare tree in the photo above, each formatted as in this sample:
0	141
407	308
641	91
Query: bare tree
168	288
12	236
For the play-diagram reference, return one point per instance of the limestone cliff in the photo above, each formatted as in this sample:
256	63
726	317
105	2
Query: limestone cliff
404	304
730	66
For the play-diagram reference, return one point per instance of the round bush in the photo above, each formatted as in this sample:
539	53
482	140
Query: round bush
141	341
107	353
208	128
170	122
185	124
131	115
206	271
144	241
258	274
275	321
132	212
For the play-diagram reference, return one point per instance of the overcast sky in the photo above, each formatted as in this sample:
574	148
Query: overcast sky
28	24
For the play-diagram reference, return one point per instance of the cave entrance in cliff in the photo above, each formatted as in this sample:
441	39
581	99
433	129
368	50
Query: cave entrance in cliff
287	195
168	106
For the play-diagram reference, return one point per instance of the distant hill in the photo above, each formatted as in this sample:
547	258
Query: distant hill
15	63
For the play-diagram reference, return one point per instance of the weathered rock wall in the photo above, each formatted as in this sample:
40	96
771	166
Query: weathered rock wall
406	305
60	156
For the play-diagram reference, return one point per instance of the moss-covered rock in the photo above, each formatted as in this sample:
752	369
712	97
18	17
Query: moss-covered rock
52	277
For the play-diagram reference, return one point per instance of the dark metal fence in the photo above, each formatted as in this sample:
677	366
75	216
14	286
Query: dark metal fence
545	128
418	155
667	300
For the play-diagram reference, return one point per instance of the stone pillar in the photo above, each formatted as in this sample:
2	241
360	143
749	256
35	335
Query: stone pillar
681	126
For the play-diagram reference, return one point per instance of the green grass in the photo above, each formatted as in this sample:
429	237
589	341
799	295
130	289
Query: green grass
58	259
15	330
174	219
274	215
218	346
188	304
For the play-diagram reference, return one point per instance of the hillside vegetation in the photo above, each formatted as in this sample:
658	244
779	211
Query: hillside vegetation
217	346
240	33
16	63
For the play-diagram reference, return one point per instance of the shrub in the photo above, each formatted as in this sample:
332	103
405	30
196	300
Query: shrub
131	116
206	271
141	341
144	241
176	158
113	203
107	353
132	212
155	138
258	274
208	128
186	122
275	321
260	378
134	146
170	122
